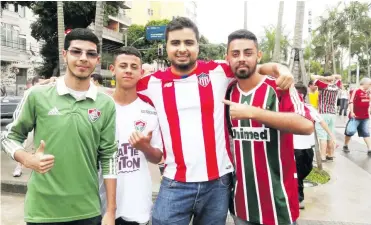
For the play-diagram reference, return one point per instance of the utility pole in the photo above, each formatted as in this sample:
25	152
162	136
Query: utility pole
245	15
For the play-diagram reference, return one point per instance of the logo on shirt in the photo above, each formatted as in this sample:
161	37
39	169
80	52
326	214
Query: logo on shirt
54	112
251	133
140	125
168	84
93	114
203	79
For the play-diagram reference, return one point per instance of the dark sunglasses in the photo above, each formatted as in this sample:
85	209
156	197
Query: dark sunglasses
78	53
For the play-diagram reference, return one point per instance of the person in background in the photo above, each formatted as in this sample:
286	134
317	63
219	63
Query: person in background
328	87
303	146
97	79
313	94
344	96
359	116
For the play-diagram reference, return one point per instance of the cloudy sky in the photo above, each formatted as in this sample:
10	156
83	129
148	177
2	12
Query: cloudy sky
219	18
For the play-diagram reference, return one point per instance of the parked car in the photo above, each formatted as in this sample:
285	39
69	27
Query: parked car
8	105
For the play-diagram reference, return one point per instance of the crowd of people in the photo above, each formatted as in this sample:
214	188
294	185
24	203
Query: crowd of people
235	136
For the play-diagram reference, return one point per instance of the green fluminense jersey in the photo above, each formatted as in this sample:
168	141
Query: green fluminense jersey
78	134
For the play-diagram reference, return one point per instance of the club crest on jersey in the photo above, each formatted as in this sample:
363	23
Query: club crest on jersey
93	114
203	79
140	125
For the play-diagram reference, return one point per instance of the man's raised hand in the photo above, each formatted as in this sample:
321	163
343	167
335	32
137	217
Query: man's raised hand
40	162
284	78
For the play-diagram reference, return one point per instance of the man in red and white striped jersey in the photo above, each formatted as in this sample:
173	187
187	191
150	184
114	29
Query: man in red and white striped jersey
262	121
329	86
188	100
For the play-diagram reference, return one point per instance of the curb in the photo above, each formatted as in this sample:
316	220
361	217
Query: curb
13	187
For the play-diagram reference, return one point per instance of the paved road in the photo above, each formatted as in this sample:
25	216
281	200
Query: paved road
358	149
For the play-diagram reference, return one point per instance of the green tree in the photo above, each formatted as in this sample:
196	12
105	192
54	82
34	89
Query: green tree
76	15
136	37
268	41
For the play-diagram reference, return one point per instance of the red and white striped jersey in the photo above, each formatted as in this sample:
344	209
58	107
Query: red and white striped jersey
328	95
265	191
192	120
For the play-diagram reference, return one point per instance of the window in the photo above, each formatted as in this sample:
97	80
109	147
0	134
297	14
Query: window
9	35
22	43
15	38
3	34
22	11
150	12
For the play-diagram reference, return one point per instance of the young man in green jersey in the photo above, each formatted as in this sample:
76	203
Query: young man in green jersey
75	126
262	119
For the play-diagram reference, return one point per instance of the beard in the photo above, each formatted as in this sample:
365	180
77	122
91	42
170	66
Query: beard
245	73
183	67
79	77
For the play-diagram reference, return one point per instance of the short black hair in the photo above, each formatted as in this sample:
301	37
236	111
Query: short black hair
83	34
35	80
300	87
127	51
97	77
180	23
326	74
310	83
243	34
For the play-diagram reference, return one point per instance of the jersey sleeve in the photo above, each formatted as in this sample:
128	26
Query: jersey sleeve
314	114
320	84
227	70
143	91
339	83
290	101
156	140
24	122
107	152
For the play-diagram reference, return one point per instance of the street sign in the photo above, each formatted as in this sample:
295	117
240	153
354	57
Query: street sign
155	33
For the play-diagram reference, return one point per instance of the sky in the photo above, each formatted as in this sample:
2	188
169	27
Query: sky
217	20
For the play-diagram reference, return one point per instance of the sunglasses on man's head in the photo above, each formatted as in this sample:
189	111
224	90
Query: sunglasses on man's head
78	53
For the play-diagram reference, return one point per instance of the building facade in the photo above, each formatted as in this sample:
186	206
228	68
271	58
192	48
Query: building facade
19	50
143	11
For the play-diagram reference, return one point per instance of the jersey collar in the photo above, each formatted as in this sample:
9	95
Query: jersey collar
63	90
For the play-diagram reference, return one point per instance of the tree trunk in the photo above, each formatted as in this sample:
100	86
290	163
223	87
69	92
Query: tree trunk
333	54
99	28
298	39
60	16
368	59
277	43
350	52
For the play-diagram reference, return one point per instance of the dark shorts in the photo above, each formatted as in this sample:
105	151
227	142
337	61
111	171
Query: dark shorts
354	125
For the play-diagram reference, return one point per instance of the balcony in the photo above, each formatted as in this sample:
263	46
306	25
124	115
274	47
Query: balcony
128	4
110	34
121	18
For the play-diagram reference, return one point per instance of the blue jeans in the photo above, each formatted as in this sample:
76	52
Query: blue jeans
360	125
206	201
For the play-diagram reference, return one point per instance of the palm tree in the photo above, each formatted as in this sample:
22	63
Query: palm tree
60	16
99	28
277	42
298	64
